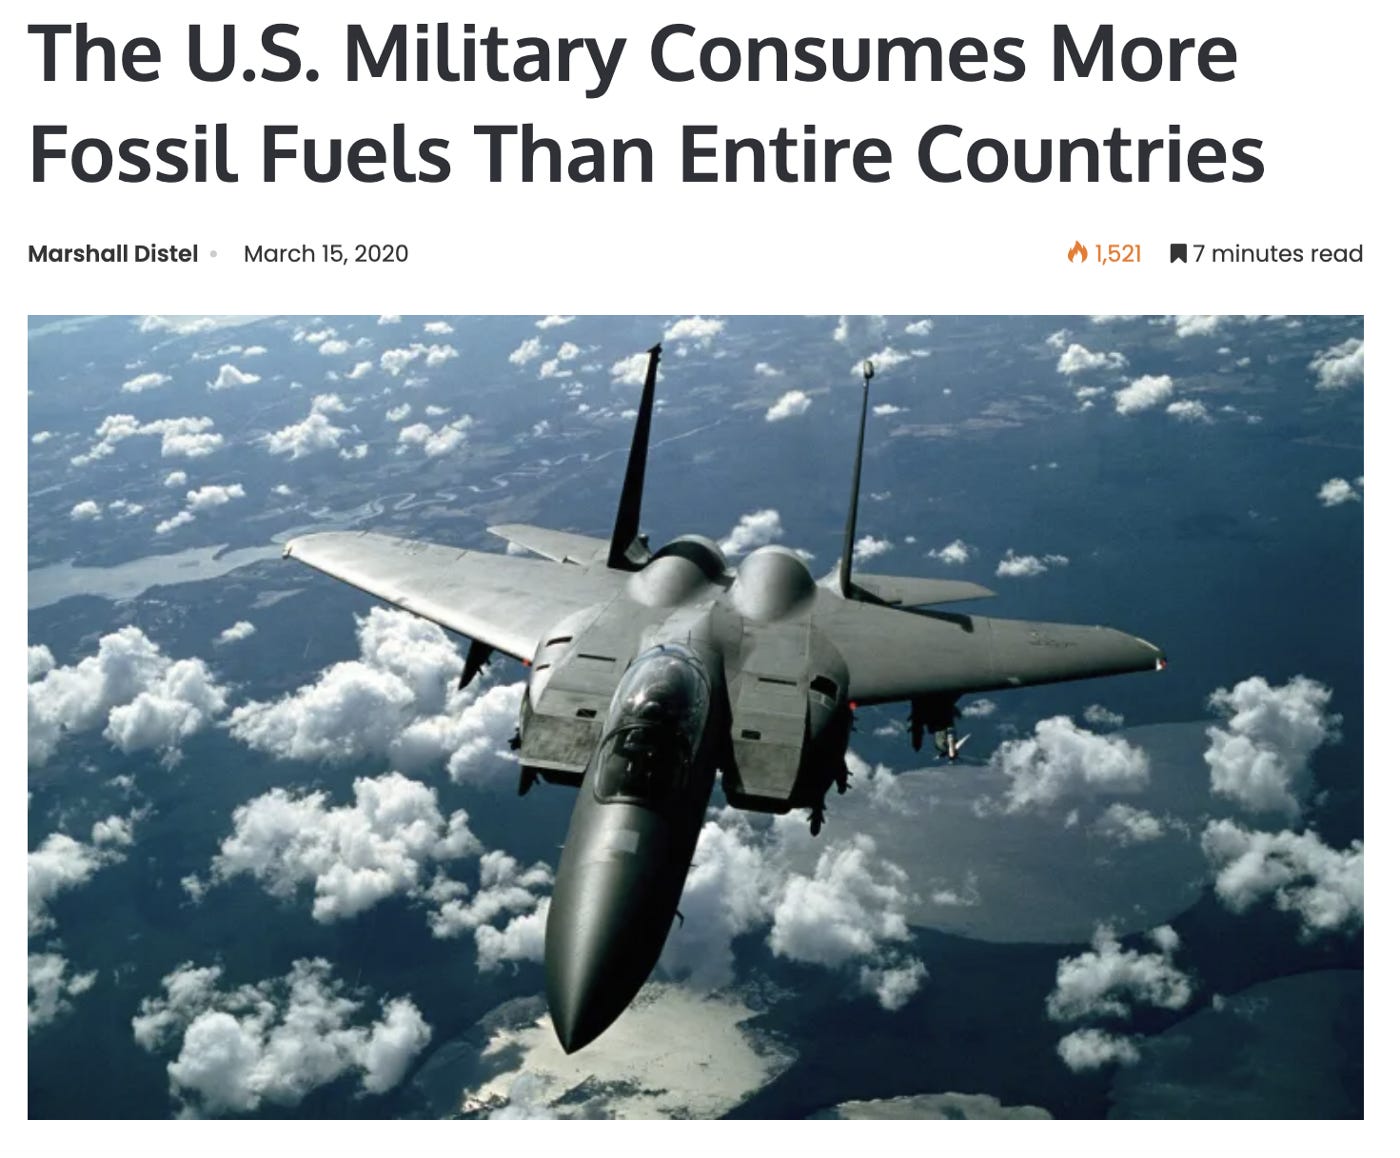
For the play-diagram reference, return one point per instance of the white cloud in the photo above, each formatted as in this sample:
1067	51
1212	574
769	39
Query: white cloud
506	889
1340	366
253	351
352	856
314	432
868	547
145	699
1143	393
1061	760
239	631
1321	884
1014	566
179	437
920	329
1076	359
397	701
1333	493
230	375
886	359
955	554
1101	717
700	331
41	437
437	328
1260	758
1107	980
1125	825
61	863
41	661
632	370
753	530
274	1041
435	442
359	370
1058	340
395	361
333	347
526	352
567	352
181	325
764	370
1092	1049
1196	325
177	520
1188	410
388	319
87	510
552	320
51	987
145	382
176	478
978	709
792	403
398	413
206	498
124	509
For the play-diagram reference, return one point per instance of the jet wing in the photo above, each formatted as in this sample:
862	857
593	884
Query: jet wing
897	590
561	546
896	654
501	600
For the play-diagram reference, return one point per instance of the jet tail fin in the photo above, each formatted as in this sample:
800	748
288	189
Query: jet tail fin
848	549
626	552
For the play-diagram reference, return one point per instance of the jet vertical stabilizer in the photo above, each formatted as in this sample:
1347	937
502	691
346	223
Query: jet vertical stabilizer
868	372
626	552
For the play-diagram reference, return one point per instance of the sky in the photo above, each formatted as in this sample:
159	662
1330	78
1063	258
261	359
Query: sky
277	865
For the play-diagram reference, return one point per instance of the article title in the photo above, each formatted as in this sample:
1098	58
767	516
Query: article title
458	54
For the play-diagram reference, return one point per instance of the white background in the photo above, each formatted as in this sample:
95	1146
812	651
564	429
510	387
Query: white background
1312	83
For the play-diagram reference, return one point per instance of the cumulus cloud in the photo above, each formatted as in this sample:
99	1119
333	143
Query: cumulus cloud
1125	825
1333	493
552	320
230	376
753	530
396	701
1340	366
437	328
353	856
1092	1049
274	1041
239	631
631	370
359	370
921	328
507	889
1188	410
1014	566
765	370
141	698
1143	393
526	352
435	443
206	498
1062	761
51	988
1076	359
979	708
1058	340
61	864
314	432
1322	885
179	519
1196	325
882	360
955	554
398	413
868	547
885	409
179	437
1107	980
793	403
176	478
145	382
87	510
1101	717
847	913
1260	757
697	330
395	361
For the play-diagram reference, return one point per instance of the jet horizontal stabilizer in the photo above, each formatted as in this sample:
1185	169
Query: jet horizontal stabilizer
561	546
906	591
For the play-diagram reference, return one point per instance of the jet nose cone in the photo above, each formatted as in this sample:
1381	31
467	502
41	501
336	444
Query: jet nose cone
603	935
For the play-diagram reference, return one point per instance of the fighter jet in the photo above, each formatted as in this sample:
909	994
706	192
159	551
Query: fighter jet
652	671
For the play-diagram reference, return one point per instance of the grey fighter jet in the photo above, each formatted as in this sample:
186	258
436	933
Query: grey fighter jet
653	670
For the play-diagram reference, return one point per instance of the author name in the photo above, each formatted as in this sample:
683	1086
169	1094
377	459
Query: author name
114	254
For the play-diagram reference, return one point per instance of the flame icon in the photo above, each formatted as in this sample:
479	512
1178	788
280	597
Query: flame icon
1077	250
